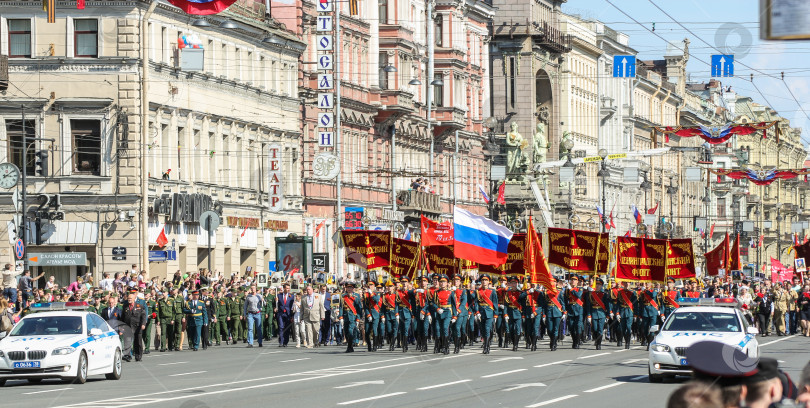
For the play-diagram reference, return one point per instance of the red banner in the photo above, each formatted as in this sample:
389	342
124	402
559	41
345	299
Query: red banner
641	259
715	259
779	272
441	260
680	259
404	258
603	254
436	233
367	249
574	250
734	263
514	260
534	261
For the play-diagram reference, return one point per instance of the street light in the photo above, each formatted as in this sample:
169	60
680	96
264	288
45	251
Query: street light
672	189
390	68
603	175
201	22
229	24
778	231
415	81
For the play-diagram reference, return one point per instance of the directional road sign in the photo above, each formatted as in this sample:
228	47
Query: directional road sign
624	66
722	65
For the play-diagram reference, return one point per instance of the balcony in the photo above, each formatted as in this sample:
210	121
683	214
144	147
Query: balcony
552	38
397	100
414	203
450	117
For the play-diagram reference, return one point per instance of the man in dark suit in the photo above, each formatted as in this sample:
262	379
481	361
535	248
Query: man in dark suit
326	324
284	311
113	311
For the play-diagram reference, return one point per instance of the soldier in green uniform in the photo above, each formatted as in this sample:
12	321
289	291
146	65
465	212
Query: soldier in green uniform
351	313
487	312
179	319
648	312
150	321
463	313
574	309
597	308
165	314
269	305
234	317
624	300
220	324
554	311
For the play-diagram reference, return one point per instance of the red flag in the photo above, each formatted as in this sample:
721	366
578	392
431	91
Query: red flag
714	259
534	261
654	209
611	225
761	238
319	227
80	4
436	233
711	232
243	233
501	194
627	234
734	256
162	240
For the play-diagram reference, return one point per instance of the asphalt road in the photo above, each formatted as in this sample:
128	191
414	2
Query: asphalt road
230	376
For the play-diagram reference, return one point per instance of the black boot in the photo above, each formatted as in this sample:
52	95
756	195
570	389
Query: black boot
485	346
627	342
598	341
457	344
445	345
533	339
368	343
500	340
515	338
552	341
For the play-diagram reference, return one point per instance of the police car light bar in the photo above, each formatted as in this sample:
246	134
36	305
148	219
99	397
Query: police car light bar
57	306
707	302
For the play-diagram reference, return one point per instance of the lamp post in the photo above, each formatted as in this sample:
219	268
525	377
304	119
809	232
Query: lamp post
672	189
778	231
568	168
758	230
603	175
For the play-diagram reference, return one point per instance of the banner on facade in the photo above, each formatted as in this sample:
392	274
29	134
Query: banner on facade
641	259
514	260
680	259
574	250
404	258
367	249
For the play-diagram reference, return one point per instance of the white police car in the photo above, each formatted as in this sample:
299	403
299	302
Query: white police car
696	320
60	340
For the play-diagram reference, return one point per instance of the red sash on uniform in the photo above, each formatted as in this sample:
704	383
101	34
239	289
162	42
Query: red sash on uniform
348	300
421	298
372	303
458	296
486	297
555	302
627	302
573	298
512	298
670	298
390	302
650	300
403	298
597	296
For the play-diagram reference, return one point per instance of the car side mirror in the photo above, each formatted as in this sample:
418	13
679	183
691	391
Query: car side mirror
753	330
96	331
654	328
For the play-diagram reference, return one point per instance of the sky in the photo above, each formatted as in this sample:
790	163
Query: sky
727	25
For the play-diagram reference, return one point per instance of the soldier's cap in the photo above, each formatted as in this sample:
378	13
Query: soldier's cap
204	289
671	280
97	296
501	278
600	281
389	283
195	292
424	278
443	278
349	283
726	365
457	277
47	291
372	283
113	295
133	290
513	279
484	278
404	279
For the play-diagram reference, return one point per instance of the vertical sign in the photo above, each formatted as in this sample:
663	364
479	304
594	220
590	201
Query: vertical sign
324	44
275	187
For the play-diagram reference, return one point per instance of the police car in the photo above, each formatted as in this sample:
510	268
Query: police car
60	340
696	320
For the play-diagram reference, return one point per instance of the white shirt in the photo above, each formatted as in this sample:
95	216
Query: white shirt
310	300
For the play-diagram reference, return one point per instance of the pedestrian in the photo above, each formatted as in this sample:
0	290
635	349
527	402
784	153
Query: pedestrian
804	310
298	326
26	284
326	323
135	316
696	394
283	310
196	315
9	283
765	310
313	313
254	304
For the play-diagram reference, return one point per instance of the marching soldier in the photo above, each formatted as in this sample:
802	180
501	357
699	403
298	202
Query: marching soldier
235	317
269	304
554	311
443	303
575	310
648	312
623	311
533	300
179	320
513	313
462	314
422	313
205	331
669	298
351	311
390	314
597	308
373	305
151	305
500	325
691	291
487	311
197	316
472	307
165	313
220	322
404	304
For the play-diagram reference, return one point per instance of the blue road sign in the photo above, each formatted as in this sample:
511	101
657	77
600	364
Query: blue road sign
722	65
19	248
624	66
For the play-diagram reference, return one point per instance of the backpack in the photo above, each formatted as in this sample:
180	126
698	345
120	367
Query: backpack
5	323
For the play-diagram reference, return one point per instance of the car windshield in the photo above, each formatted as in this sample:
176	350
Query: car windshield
703	321
48	325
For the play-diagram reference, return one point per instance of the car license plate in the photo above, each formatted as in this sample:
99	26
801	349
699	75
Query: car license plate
27	364
684	362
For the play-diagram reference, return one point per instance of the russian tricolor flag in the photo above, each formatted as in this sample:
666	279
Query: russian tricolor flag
479	239
637	215
483	193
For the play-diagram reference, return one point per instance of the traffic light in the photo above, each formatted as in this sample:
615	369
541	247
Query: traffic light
41	163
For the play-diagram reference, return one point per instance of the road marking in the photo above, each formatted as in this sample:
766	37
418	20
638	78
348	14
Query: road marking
271	352
430	387
635	347
42	392
297	359
497	360
593	355
638	378
179	362
776	341
193	372
519	386
503	373
158	355
359	383
633	360
540	404
620	351
556	362
604	387
372	398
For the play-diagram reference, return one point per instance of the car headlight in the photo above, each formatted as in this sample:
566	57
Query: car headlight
661	348
2	354
62	351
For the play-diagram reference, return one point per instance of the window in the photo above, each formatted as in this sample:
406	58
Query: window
438	91
438	24
14	131
86	136
383	11
721	208
85	36
19	38
512	82
383	74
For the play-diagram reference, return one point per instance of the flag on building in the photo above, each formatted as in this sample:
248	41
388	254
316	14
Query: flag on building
711	231
484	194
654	209
628	233
80	4
501	194
244	230
319	227
637	215
761	238
601	215
162	239
612	224
202	7
479	239
407	233
49	6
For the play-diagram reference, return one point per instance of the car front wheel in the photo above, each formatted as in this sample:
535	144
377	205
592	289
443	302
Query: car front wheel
655	378
116	372
81	370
